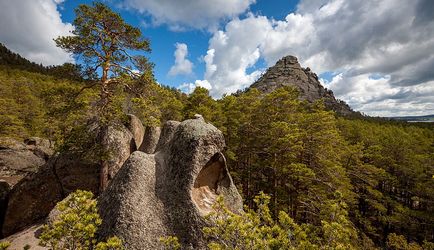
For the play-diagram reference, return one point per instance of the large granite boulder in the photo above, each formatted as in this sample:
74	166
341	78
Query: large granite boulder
150	140
166	134
130	208
169	192
135	126
33	197
18	159
119	143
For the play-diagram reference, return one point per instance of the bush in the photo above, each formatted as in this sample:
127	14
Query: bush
4	245
76	225
256	229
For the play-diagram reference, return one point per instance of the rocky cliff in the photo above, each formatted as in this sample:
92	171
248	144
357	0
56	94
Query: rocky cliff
288	72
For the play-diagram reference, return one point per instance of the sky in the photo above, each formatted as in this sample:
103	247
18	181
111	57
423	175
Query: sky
376	55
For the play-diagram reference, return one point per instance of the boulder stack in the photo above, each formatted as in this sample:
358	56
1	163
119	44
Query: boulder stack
169	192
38	191
165	191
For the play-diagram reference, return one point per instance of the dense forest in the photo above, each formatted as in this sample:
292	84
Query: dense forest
309	160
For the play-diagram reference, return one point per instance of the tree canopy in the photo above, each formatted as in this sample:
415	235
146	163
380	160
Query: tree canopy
105	42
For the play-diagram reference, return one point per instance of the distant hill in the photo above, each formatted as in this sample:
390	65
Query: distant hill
288	72
13	60
424	118
7	57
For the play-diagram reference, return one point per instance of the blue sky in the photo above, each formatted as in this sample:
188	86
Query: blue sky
375	55
162	43
163	39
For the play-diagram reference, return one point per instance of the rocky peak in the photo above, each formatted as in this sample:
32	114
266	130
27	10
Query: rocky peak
289	61
288	72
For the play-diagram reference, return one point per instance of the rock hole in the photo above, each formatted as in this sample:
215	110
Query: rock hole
208	183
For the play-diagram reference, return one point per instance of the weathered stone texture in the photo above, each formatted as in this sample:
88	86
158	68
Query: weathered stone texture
169	192
150	140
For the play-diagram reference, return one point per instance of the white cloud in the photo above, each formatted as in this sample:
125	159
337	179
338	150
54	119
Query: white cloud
389	38
290	36
182	66
378	97
189	87
232	52
29	27
203	84
189	13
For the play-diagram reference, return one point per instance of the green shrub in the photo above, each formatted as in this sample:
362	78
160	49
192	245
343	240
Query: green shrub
75	225
4	245
170	243
256	229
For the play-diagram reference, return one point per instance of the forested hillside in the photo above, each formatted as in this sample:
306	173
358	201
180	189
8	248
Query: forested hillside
35	104
308	159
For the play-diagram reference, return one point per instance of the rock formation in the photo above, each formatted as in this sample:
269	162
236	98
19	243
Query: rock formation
169	192
137	130
150	140
120	143
32	198
18	159
288	72
166	193
166	134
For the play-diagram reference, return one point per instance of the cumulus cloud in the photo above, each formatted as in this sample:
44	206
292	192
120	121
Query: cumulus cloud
380	98
203	84
182	65
381	47
29	27
189	87
183	14
231	52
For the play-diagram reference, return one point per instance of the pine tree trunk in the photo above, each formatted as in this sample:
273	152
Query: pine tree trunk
275	184
104	95
103	178
104	168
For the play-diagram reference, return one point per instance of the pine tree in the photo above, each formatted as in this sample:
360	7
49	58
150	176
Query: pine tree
104	41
